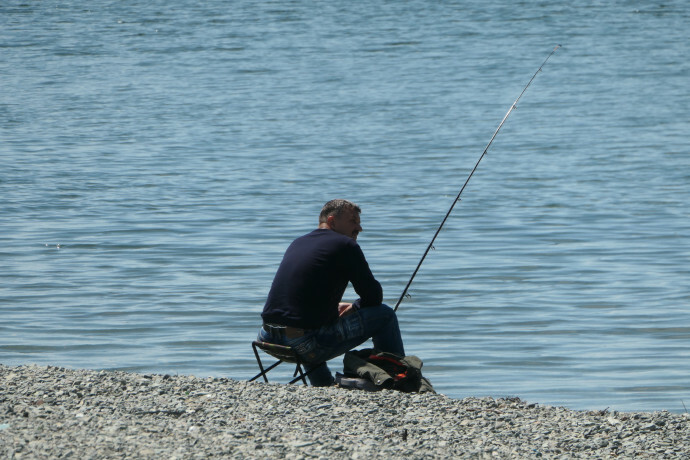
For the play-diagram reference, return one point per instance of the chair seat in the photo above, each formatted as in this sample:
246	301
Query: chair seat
281	352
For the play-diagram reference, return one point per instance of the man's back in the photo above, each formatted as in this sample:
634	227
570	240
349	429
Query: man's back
304	309
312	278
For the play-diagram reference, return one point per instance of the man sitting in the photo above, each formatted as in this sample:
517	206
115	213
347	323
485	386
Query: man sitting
304	308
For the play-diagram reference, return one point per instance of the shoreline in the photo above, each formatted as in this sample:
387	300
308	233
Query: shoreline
56	412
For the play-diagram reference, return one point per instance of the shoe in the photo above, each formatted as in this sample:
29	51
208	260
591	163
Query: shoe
355	383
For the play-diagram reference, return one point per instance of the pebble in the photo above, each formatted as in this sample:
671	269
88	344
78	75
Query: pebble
52	412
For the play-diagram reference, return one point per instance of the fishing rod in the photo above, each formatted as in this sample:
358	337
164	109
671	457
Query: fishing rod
457	198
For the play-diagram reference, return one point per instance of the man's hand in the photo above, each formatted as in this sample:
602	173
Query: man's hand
345	309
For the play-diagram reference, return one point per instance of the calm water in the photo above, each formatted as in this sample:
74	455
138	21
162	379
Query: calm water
158	157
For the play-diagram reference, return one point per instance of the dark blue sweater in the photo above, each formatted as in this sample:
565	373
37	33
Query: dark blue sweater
312	279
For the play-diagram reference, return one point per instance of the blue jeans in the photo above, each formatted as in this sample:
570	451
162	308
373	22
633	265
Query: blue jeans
317	346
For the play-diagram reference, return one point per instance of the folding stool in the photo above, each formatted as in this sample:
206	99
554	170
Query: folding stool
283	354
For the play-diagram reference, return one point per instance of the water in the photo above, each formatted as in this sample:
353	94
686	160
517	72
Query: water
158	157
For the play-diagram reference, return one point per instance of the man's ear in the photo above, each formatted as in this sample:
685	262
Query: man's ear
330	220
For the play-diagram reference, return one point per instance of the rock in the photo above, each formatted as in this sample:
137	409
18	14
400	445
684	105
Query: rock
90	414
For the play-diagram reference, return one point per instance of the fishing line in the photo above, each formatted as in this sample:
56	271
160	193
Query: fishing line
457	198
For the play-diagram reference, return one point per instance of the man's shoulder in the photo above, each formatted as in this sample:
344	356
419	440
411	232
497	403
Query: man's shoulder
327	237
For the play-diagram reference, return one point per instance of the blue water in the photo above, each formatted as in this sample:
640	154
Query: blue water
158	158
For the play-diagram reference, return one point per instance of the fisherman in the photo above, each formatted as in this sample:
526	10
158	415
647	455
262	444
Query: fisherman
304	308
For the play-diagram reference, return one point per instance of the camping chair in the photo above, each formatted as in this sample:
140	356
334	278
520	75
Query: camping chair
283	354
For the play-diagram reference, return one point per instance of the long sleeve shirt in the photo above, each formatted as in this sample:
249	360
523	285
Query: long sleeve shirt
312	279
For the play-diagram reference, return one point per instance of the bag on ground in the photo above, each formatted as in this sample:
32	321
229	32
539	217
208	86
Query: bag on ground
387	370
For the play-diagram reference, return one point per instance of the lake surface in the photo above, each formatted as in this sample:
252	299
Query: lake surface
158	158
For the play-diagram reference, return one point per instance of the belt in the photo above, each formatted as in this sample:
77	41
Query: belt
289	332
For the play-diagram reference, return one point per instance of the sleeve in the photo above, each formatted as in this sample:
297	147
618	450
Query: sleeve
363	281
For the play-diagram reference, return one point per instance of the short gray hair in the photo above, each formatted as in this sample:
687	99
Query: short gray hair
335	208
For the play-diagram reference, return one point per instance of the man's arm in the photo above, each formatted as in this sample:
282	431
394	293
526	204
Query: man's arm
363	281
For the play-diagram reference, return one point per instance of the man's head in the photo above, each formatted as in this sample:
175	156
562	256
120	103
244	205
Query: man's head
341	216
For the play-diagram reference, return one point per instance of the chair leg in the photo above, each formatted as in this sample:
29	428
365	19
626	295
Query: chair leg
264	372
261	367
302	376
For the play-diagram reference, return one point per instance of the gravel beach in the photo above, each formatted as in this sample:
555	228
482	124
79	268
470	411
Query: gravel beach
52	412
